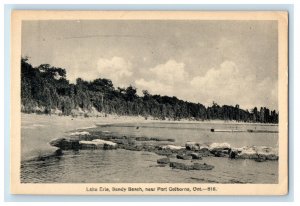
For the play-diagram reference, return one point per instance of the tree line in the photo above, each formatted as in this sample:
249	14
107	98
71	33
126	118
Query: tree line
45	89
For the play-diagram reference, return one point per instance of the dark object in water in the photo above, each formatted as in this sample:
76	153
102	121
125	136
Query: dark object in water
142	138
232	154
59	152
195	166
66	144
204	166
56	154
137	127
159	139
184	157
248	130
261	158
163	161
195	156
163	152
261	131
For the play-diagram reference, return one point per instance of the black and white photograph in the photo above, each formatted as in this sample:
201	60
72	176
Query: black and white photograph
169	99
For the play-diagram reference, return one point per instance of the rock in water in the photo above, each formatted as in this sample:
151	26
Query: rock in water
75	144
180	166
183	157
203	149
66	144
46	156
195	156
163	152
142	139
109	146
259	153
220	149
163	161
171	147
204	166
233	154
247	153
219	146
192	146
268	153
167	150
261	159
98	144
79	133
195	166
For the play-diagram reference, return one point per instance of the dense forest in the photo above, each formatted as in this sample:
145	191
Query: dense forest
45	89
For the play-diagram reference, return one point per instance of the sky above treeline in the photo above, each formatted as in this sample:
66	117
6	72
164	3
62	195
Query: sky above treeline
229	62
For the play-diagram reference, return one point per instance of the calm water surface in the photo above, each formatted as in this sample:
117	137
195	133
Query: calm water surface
122	166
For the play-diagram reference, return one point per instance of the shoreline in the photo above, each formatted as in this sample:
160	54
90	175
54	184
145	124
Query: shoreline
113	119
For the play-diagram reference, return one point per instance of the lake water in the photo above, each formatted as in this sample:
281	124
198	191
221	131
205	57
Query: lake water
123	166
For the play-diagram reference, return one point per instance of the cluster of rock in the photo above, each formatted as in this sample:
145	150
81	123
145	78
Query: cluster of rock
75	144
258	153
82	140
184	166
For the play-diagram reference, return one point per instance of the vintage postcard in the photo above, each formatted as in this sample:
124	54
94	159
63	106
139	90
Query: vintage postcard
149	103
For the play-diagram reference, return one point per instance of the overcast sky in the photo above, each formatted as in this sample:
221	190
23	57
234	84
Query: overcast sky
229	62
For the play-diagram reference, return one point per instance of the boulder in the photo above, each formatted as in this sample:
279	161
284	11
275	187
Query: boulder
180	166
204	147
198	147
221	153
196	156
194	146
79	133
195	166
132	147
183	157
247	153
46	156
149	147
167	150
261	159
219	146
268	153
204	166
109	146
204	152
66	144
163	161
163	152
220	149
171	147
258	153
97	144
233	154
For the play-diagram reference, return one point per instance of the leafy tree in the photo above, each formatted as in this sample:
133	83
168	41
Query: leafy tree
46	87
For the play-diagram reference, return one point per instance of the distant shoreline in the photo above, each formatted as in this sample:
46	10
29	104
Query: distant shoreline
117	119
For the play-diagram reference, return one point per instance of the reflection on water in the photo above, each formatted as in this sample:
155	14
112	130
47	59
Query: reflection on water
122	166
